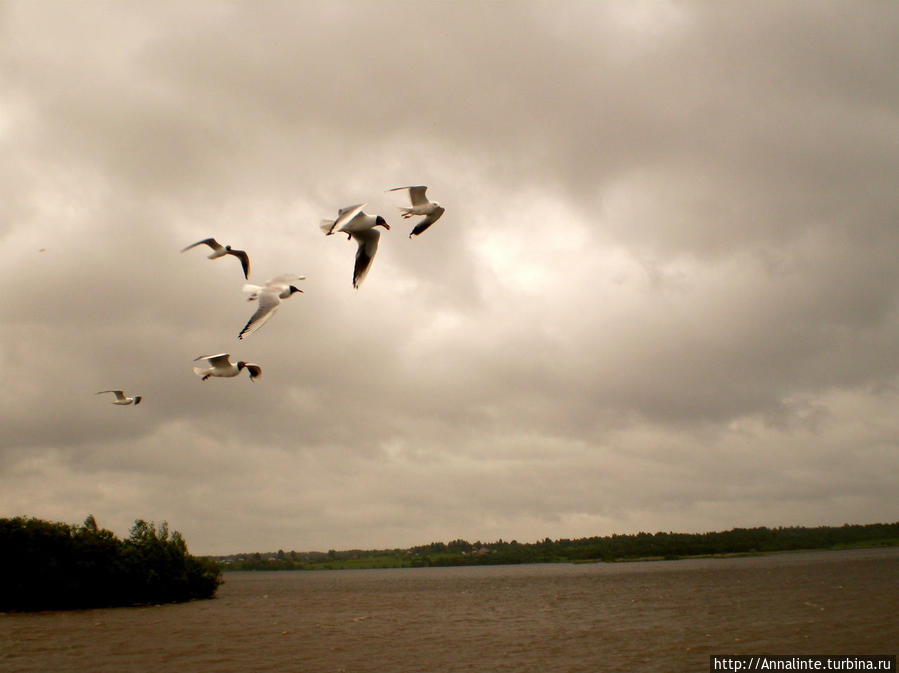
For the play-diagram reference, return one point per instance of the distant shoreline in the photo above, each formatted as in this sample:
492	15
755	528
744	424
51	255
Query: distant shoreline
641	559
629	548
743	554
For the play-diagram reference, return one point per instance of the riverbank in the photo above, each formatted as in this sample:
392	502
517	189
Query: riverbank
615	548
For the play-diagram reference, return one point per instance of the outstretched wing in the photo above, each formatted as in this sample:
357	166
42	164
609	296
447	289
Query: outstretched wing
284	281
211	242
269	302
416	194
220	360
367	242
344	215
244	261
428	221
119	394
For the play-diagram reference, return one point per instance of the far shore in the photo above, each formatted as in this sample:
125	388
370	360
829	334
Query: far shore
642	547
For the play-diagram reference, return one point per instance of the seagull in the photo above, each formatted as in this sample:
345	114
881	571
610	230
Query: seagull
269	296
355	223
219	250
420	206
221	365
120	397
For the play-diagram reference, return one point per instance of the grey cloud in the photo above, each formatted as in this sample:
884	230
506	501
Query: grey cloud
667	257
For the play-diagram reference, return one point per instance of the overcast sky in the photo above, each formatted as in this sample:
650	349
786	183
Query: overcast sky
664	295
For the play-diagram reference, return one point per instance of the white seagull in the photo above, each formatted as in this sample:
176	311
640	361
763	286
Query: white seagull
120	397
420	206
355	223
219	250
269	296
221	365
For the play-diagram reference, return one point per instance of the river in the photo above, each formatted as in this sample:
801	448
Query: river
647	616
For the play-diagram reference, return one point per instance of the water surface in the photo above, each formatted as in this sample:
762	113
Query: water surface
653	616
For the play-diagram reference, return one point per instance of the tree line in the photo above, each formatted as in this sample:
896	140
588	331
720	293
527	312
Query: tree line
46	565
626	547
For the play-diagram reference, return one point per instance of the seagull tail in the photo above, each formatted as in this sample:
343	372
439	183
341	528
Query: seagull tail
253	289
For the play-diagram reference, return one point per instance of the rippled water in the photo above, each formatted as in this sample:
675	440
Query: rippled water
660	616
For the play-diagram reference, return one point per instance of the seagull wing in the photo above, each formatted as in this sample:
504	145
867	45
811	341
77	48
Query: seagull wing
428	221
284	281
220	360
119	394
269	302
348	209
416	194
344	215
211	242
244	261
367	247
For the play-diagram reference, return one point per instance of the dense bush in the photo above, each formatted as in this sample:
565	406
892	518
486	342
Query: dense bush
45	565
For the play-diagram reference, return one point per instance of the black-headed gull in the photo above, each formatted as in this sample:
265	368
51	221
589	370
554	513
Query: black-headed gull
355	223
120	397
219	250
221	365
420	206
269	296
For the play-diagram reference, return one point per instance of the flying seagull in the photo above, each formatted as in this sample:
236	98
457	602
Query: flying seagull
420	206
269	296
221	365
219	250
355	223
120	397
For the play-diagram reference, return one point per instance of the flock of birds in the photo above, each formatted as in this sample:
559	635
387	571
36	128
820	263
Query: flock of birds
352	221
